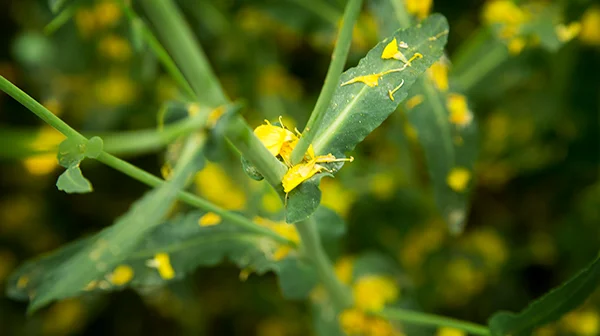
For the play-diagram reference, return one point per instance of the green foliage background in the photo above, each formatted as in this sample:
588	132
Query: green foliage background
532	215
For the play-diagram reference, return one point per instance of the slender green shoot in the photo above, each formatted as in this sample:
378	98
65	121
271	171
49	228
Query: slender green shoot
418	318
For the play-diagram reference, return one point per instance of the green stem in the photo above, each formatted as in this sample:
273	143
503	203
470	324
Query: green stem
179	40
159	50
39	110
418	318
242	137
128	168
153	181
338	60
148	140
312	247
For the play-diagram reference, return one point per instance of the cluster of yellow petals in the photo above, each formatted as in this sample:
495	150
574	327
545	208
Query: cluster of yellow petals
372	292
209	219
281	142
356	323
458	108
458	179
419	8
121	275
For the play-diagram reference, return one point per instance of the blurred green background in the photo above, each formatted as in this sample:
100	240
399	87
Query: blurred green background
535	205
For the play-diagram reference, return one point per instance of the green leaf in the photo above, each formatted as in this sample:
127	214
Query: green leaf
111	246
71	152
250	170
56	5
446	146
189	246
94	147
357	109
72	181
550	307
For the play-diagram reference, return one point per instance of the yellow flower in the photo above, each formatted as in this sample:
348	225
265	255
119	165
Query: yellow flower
516	45
460	114
271	202
582	323
391	51
209	219
121	275
85	22
217	186
107	13
372	292
115	48
162	263
336	197
490	245
458	179
503	12
568	32
438	73
461	281
413	101
303	171
356	323
447	331
116	90
419	243
590	26
42	164
419	8
344	268
273	137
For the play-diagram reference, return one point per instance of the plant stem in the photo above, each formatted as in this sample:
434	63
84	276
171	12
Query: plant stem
128	168
179	40
312	247
242	137
39	110
153	181
159	50
338	60
414	317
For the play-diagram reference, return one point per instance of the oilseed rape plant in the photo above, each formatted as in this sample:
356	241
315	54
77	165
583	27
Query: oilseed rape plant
368	207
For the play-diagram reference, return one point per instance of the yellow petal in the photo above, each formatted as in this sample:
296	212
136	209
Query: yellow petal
121	275
419	8
438	73
590	26
370	80
390	50
412	102
372	292
447	331
298	174
459	110
516	45
209	219
458	179
567	33
163	264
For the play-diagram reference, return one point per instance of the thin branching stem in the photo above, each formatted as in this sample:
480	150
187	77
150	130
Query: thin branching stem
338	60
418	318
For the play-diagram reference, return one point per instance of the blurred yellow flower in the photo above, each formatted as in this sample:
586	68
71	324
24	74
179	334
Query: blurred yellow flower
209	219
162	263
438	73
419	243
115	48
461	281
490	245
419	8
121	275
115	90
356	323
42	164
271	202
568	32
383	185
215	184
516	45
85	22
507	14
107	13
344	268
372	292
413	101
285	230
336	197
590	26
447	331
458	107
458	179
581	323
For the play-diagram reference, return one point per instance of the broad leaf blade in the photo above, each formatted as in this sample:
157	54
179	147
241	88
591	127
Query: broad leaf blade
72	181
116	243
446	146
357	109
550	307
